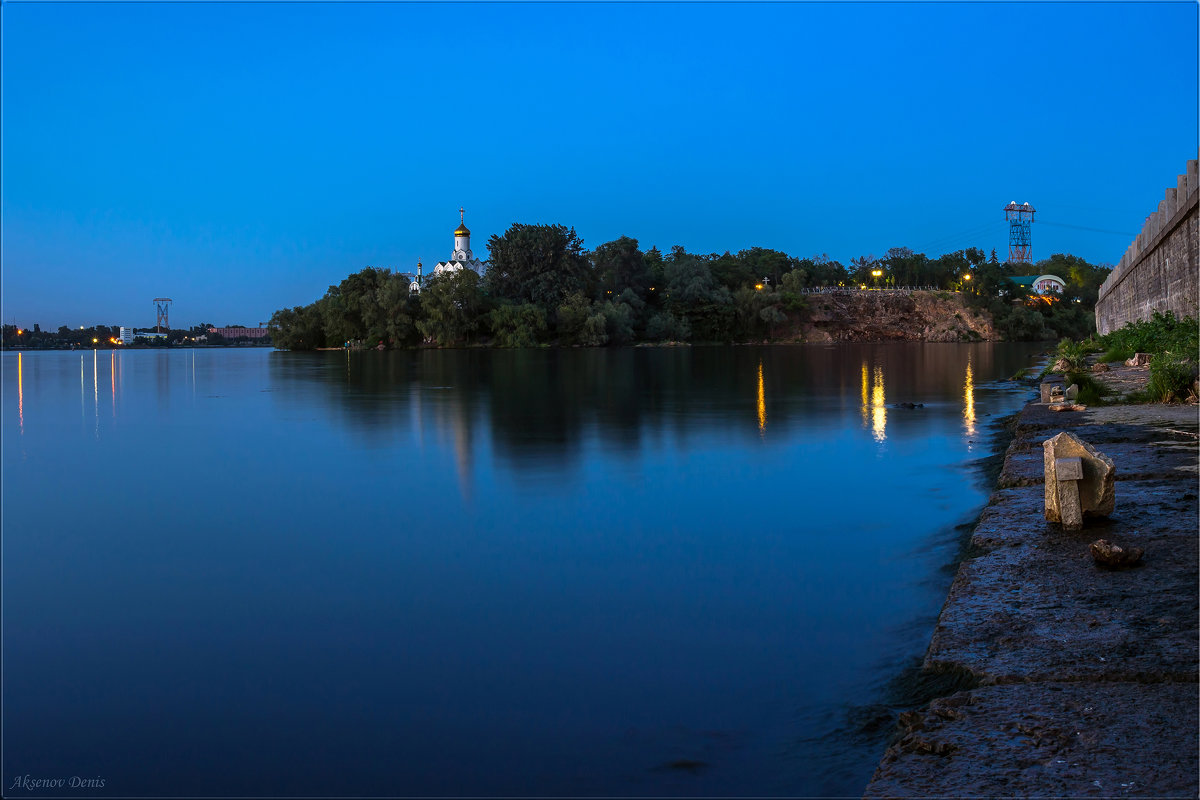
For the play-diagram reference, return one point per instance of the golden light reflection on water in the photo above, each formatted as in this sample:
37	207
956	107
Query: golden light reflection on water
762	401
112	371
866	395
20	397
879	407
874	401
969	400
96	388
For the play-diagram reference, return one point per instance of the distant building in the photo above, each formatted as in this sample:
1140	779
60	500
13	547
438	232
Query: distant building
1041	284
461	258
237	333
127	335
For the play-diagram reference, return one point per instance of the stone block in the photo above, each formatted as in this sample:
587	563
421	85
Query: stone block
1068	500
1047	390
1068	469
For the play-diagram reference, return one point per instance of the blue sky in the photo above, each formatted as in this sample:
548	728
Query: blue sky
240	158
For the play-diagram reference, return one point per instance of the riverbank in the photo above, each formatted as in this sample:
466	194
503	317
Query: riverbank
1083	680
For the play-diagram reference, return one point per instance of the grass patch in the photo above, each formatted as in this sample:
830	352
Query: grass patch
1170	377
1116	353
1091	391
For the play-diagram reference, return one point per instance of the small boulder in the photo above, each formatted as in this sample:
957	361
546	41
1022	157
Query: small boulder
1060	365
1138	360
1100	367
1107	554
1072	393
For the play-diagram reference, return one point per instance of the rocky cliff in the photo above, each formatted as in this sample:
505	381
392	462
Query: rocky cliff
891	316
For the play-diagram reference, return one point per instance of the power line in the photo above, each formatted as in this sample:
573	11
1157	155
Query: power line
1082	228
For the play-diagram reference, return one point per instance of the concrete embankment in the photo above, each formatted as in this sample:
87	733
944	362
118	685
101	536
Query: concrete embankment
1085	678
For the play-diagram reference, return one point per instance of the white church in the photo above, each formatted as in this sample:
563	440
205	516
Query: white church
461	258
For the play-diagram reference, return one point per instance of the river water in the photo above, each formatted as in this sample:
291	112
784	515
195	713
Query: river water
641	571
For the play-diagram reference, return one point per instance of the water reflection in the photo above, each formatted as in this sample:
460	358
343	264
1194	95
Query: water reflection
879	410
20	397
96	388
874	401
539	409
969	400
762	401
866	395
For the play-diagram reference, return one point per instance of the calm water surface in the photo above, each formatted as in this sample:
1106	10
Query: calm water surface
620	572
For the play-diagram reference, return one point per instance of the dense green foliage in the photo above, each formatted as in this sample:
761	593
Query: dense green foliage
1160	334
543	287
1174	348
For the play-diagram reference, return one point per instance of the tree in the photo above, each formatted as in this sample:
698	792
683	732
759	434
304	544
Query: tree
398	310
541	264
452	306
620	265
578	323
299	328
861	267
759	263
514	325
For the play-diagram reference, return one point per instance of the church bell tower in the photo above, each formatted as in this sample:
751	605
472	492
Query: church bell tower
462	239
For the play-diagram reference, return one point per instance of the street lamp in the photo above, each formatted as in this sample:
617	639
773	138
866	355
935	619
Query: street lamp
876	273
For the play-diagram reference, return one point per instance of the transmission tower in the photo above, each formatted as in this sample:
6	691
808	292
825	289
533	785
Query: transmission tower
1020	251
160	305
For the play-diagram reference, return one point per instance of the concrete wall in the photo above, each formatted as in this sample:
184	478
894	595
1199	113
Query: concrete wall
1159	271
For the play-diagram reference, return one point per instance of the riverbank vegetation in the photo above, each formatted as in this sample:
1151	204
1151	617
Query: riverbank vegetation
1172	344
543	287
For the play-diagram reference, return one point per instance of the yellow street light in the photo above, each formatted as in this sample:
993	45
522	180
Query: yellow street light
94	340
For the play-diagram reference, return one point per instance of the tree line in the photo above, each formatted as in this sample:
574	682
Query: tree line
543	287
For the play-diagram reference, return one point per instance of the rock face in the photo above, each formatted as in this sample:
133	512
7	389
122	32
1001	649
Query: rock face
866	316
1138	360
1080	481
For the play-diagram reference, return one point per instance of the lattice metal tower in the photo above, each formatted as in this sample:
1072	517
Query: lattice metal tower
160	305
1020	251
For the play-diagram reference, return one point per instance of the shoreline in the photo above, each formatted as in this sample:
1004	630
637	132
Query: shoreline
1073	680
